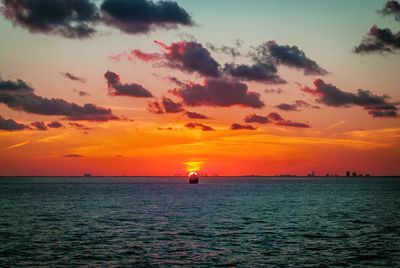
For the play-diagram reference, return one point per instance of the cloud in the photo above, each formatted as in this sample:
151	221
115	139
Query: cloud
73	77
260	72
55	124
218	93
383	113
277	91
76	19
146	57
82	92
175	80
167	128
293	107
330	95
289	123
391	8
18	96
115	88
236	126
39	125
274	118
287	107
379	40
290	56
194	115
253	118
189	57
143	16
72	155
79	126
70	19
10	125
232	51
166	105
155	107
202	127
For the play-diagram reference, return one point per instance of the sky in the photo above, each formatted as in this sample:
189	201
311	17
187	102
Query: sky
138	87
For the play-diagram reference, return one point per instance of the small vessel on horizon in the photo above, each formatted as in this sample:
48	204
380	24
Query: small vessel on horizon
193	178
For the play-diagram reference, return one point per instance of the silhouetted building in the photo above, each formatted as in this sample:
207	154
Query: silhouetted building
87	175
354	174
347	173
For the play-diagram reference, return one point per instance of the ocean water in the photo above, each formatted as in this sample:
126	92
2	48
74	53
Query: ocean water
245	222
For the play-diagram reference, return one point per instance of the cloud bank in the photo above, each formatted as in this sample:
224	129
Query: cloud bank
218	93
19	96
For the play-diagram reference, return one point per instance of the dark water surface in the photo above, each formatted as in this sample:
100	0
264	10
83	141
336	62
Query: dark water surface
221	221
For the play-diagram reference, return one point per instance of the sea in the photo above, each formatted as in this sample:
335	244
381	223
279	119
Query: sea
222	221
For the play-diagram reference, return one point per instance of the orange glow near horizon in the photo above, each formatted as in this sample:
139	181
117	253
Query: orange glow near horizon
193	166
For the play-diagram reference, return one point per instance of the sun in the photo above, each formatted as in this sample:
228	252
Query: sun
192	174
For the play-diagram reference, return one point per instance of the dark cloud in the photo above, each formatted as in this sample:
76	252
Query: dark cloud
77	18
287	107
82	93
218	92
277	91
274	118
175	80
166	105
330	95
232	51
260	72
194	115
391	8
115	88
39	125
190	125
142	16
378	41
19	96
383	113
293	107
55	124
10	125
290	56
72	155
253	118
74	77
201	126
79	126
18	85
189	57
289	123
66	18
236	126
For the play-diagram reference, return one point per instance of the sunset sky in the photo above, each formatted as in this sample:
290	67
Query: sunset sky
138	87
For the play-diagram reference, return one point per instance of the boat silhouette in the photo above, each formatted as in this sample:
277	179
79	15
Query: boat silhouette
193	178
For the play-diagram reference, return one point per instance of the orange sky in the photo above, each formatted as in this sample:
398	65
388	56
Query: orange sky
322	135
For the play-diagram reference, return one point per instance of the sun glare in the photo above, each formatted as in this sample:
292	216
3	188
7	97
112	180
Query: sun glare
193	166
